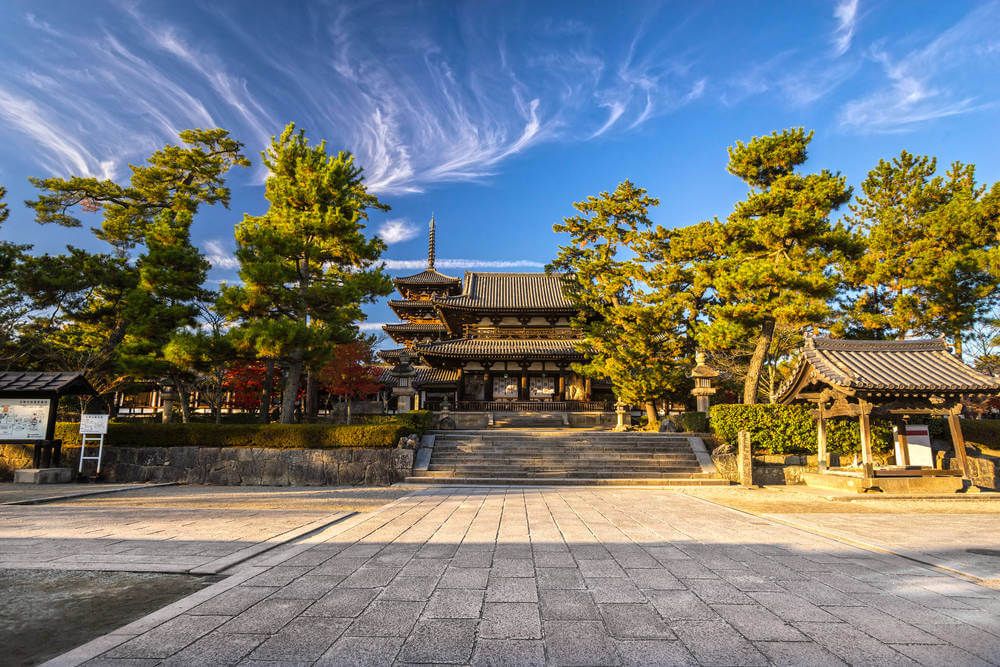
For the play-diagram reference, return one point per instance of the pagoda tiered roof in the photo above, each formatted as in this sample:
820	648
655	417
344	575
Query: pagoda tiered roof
424	376
429	277
502	349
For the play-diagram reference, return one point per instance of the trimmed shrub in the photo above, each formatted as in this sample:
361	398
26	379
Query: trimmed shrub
790	429
984	432
418	421
282	436
690	422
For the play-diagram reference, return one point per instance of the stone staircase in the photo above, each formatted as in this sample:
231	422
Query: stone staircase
562	456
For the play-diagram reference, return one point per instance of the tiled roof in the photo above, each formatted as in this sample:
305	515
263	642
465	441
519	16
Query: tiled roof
427	277
425	376
44	383
391	356
406	327
411	303
887	366
500	349
510	291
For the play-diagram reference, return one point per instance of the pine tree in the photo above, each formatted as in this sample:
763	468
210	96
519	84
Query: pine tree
305	264
776	260
115	312
629	329
930	243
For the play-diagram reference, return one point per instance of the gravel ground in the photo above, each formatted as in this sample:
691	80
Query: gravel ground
45	613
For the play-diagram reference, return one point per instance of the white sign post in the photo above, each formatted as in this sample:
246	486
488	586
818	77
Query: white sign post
93	428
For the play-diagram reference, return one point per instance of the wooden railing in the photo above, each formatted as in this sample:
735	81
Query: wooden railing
531	406
522	333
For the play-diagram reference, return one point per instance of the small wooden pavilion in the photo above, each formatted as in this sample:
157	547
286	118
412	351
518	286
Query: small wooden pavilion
888	379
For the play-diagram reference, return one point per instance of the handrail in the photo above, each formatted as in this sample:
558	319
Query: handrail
531	406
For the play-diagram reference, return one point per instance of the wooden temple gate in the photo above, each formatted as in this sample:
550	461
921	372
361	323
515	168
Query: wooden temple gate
895	380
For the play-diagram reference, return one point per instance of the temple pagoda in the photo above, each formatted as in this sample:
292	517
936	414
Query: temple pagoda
490	341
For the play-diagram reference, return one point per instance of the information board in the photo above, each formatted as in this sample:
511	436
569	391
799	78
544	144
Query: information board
94	424
23	418
918	441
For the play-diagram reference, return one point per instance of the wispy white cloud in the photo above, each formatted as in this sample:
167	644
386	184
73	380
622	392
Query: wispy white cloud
397	231
419	99
219	256
846	13
414	264
931	82
371	326
60	150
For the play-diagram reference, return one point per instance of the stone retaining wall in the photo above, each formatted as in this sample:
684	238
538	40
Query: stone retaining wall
238	465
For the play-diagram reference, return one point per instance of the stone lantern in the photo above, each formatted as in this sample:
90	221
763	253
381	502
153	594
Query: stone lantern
703	376
403	389
167	397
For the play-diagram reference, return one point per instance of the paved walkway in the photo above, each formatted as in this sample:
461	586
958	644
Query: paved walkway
28	493
567	576
968	543
78	537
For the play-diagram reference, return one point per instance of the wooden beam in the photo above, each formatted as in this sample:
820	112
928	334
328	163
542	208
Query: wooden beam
866	438
823	462
958	440
904	448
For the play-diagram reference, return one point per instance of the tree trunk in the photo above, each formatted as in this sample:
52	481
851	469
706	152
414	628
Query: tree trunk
185	397
312	396
290	392
348	410
652	419
265	392
757	362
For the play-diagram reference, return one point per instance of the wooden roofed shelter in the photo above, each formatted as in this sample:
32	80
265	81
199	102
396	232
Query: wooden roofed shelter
890	379
28	403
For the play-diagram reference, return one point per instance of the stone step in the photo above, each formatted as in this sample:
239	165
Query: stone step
567	481
572	474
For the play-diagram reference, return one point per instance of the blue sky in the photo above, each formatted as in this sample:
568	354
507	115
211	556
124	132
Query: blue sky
494	116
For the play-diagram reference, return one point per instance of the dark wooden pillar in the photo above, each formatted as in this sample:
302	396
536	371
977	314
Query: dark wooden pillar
523	394
487	382
460	394
587	390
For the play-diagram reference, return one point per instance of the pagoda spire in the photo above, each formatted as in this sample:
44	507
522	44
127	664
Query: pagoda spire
430	245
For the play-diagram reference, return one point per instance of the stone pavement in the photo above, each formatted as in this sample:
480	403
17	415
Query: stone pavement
571	576
969	543
29	493
77	537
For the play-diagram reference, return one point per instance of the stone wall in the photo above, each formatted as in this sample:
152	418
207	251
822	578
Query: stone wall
239	465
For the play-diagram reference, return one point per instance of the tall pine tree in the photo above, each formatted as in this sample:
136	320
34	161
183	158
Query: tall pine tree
306	264
776	259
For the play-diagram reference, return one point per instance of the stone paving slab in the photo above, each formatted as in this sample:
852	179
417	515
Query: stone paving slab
34	493
458	576
968	543
71	537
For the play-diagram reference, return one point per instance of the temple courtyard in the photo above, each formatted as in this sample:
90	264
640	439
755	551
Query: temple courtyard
504	575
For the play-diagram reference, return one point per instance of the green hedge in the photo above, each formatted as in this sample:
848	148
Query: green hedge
284	436
790	429
984	432
690	422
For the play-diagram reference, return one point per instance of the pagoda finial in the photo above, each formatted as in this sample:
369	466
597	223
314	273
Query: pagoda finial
430	245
